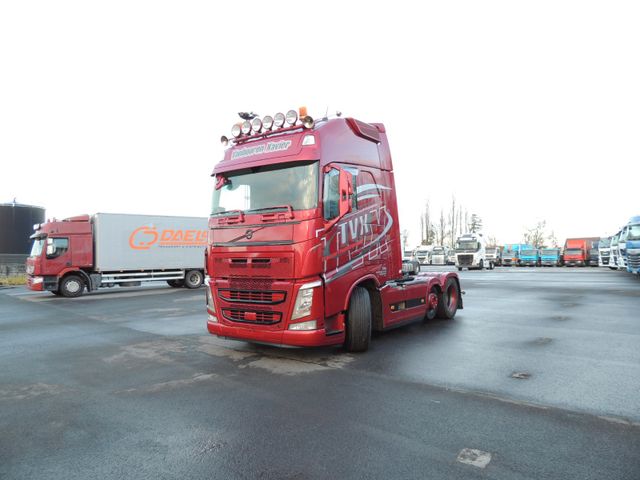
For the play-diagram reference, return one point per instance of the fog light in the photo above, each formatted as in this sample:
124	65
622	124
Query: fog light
256	125
212	318
292	117
278	119
246	127
267	122
236	130
308	325
36	280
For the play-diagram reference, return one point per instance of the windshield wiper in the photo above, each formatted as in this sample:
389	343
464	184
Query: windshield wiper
271	211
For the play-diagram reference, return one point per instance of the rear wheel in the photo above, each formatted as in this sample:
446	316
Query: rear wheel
448	301
71	286
358	334
459	269
193	279
481	267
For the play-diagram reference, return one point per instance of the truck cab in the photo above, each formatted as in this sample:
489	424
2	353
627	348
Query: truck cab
471	252
550	257
439	255
604	251
423	255
530	257
613	259
493	254
633	245
304	246
622	248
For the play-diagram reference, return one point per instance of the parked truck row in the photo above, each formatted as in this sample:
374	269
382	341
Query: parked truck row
622	250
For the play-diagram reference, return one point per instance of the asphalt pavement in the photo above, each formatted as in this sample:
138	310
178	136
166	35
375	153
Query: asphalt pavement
538	377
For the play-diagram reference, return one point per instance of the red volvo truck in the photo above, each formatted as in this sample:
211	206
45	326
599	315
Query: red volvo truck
579	251
304	244
88	252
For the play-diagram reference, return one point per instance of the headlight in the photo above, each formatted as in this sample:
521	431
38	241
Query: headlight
36	280
304	300
267	122
210	305
292	117
279	119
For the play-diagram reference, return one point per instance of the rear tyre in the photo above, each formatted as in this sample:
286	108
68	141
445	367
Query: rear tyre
193	279
71	286
176	283
459	269
481	267
448	301
358	334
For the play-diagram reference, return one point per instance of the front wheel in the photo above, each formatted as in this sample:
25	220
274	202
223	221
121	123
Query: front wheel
71	286
459	269
448	301
193	279
358	335
481	267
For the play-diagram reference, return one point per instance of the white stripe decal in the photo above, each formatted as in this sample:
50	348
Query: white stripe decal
371	186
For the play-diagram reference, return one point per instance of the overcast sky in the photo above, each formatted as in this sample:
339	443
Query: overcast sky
524	111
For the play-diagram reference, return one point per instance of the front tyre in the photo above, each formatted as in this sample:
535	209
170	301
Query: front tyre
358	325
71	286
448	301
193	279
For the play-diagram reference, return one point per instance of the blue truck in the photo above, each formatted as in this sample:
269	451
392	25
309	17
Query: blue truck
633	245
529	257
550	257
511	253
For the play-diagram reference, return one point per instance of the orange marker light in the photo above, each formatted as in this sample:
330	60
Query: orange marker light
302	112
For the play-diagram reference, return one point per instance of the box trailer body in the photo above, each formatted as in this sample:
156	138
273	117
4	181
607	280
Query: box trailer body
304	243
89	252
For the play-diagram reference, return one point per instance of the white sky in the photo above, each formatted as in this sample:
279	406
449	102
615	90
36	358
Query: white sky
523	110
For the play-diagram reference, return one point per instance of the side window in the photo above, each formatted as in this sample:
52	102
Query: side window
354	185
57	246
330	194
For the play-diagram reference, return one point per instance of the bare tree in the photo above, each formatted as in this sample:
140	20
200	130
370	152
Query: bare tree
535	236
553	241
476	223
442	230
452	220
426	225
492	241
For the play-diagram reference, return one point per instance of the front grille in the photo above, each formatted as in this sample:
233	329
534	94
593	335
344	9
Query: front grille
257	284
270	297
634	260
251	316
465	259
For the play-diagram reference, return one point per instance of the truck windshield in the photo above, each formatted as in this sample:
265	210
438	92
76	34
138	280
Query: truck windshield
467	246
437	251
634	232
36	249
605	242
573	251
259	188
552	251
529	253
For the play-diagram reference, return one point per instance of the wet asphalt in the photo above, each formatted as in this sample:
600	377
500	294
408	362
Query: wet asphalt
540	373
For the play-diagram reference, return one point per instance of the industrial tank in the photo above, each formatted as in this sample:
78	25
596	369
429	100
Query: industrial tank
16	225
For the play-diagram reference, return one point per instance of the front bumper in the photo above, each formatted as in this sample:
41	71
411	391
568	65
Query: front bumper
574	263
311	338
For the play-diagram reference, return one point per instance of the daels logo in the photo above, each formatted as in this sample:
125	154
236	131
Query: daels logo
143	238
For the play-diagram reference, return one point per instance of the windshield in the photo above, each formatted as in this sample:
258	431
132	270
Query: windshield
604	242
438	251
529	253
573	251
550	251
36	250
468	245
634	232
294	185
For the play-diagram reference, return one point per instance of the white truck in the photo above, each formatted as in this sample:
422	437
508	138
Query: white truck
471	252
423	255
439	255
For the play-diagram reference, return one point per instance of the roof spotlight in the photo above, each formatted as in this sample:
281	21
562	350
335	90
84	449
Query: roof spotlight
308	122
224	140
278	119
246	127
292	117
256	125
267	122
236	131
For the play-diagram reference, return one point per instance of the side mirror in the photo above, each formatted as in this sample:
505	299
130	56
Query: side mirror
51	249
346	192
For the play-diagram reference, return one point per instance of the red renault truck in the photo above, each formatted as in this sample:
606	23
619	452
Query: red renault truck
580	251
304	244
104	250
